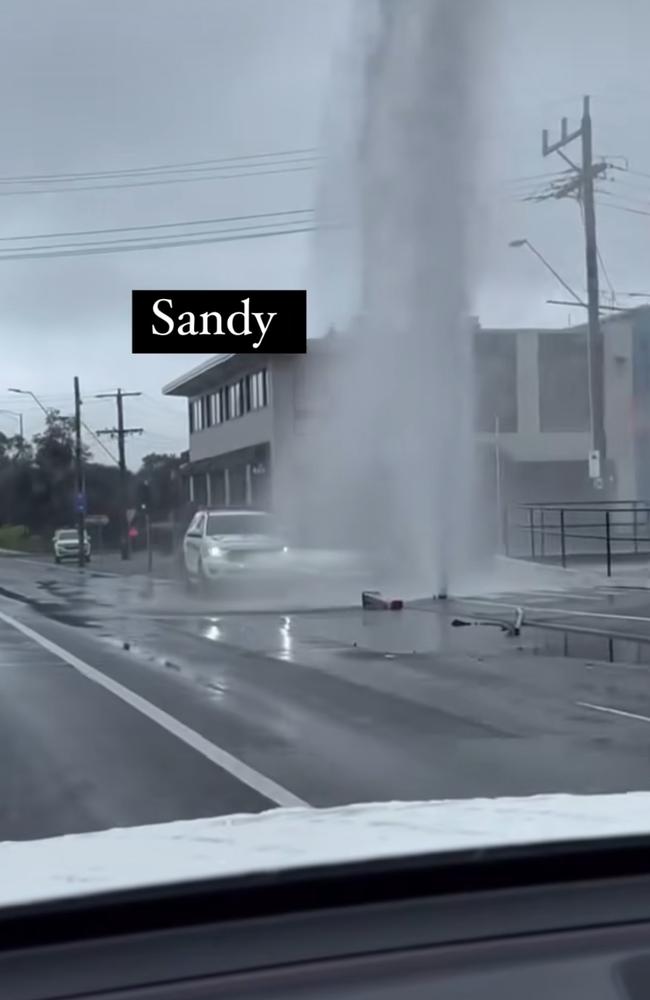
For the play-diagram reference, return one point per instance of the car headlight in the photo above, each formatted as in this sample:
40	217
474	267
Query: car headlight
285	548
214	550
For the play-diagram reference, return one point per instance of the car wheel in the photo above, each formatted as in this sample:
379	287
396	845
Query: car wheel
57	559
187	577
204	582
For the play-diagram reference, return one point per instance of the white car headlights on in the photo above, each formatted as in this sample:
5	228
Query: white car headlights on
215	551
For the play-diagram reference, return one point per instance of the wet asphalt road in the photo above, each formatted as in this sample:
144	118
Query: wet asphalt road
127	701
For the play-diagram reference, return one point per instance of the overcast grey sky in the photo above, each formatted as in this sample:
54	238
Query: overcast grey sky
90	85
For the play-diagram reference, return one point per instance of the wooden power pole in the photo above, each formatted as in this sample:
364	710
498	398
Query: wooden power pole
582	186
120	432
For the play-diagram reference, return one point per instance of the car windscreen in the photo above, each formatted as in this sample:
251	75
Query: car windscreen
67	536
239	524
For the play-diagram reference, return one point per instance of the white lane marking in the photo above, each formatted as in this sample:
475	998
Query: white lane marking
613	711
551	595
571	612
237	768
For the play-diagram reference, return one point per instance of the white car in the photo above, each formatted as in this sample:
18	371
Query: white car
66	545
224	543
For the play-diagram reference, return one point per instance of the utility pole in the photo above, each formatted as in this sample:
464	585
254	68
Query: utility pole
497	476
597	352
80	500
582	186
120	432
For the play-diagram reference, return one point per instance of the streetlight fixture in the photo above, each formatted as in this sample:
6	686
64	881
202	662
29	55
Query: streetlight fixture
28	392
516	244
13	413
557	302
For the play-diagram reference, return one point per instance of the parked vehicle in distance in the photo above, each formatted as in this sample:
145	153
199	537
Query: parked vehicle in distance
220	543
66	545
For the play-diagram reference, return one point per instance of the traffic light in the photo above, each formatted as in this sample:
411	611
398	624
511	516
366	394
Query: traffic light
144	495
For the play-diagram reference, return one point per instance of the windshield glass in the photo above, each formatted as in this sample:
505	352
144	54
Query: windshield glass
239	524
364	286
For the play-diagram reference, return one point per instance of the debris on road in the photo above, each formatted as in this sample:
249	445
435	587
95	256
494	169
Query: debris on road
372	600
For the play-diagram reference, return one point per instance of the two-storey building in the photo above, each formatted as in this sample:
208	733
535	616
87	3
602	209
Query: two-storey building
252	417
249	418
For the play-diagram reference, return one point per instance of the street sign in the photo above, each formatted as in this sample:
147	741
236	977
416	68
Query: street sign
80	503
130	514
101	520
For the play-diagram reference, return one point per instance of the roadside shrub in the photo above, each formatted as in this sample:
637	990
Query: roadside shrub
18	538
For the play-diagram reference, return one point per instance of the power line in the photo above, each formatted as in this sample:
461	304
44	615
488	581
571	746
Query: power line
146	239
159	225
118	174
622	208
537	177
624	197
23	178
635	186
607	278
100	443
154	183
603	268
634	173
153	246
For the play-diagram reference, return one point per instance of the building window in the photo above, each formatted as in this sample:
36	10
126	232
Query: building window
207	411
197	413
233	401
563	382
495	361
216	407
249	393
257	390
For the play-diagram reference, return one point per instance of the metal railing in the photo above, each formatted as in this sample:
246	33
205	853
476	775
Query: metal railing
580	530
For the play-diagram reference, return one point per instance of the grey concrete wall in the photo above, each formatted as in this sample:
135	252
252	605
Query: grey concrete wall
618	405
530	444
242	432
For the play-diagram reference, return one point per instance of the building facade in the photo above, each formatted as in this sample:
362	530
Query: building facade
533	403
251	417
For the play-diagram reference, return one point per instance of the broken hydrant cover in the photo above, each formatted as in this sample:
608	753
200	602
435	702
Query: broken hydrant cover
372	600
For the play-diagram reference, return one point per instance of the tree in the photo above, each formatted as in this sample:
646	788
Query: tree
103	497
162	473
38	483
53	474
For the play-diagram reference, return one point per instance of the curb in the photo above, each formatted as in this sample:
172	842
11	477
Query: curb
34	559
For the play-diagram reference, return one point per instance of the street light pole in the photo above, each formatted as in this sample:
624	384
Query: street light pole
28	392
526	243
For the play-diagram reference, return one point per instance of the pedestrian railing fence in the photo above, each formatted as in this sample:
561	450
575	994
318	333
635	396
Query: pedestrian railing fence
579	532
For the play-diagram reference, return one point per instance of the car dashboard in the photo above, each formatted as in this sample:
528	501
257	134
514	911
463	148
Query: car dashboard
565	921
